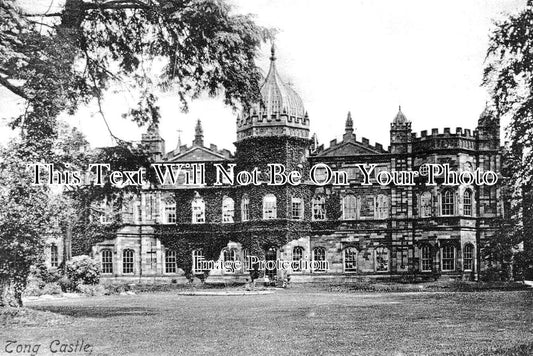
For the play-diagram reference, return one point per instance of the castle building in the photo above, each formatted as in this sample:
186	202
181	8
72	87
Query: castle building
328	230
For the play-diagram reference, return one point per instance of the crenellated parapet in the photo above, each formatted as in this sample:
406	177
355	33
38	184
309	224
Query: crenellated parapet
259	121
435	140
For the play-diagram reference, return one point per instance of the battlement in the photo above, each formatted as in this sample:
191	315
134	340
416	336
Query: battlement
365	143
459	132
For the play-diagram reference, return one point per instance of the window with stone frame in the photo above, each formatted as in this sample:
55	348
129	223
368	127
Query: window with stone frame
228	210
107	261
319	208
382	259
426	259
171	261
198	211
425	205
448	258
319	259
245	208
127	261
367	207
54	255
468	257
170	211
269	207
350	260
297	209
297	257
349	207
467	202
383	205
448	202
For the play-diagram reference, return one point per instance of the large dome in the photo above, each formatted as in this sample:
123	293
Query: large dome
279	113
279	97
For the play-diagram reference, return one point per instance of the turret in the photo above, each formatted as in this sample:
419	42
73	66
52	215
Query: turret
154	142
400	134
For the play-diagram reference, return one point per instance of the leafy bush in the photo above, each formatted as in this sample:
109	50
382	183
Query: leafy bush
83	269
67	285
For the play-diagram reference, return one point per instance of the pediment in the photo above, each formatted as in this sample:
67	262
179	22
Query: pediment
348	149
198	154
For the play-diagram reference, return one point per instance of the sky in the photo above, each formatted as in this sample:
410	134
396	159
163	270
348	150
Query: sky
363	56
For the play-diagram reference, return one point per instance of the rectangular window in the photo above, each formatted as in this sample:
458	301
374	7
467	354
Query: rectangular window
245	212
297	209
170	212
427	261
107	261
170	262
127	261
54	256
448	258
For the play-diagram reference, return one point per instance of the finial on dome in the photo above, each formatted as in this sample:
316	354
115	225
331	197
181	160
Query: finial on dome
273	52
400	117
199	134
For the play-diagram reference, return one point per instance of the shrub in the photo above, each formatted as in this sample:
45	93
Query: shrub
83	269
67	285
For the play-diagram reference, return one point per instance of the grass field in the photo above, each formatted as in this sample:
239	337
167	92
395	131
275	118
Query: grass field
288	322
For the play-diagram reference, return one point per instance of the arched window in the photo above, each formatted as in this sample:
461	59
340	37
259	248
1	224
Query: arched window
297	257
228	210
425	205
170	211
107	261
383	206
197	258
468	257
319	208
426	259
198	211
350	259
269	207
319	259
170	261
297	209
349	211
54	255
448	258
127	261
467	202
245	208
382	259
447	203
367	207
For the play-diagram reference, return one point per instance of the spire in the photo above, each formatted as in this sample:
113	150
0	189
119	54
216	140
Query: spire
400	117
273	52
349	124
199	134
179	139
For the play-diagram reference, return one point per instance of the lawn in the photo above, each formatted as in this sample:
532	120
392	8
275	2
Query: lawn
287	322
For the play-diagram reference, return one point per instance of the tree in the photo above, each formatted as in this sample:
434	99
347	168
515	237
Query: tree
509	77
56	61
24	215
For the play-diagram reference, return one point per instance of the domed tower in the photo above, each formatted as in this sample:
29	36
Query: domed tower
280	113
276	129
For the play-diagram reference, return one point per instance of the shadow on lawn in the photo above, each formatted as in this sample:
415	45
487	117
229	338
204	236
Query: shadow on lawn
96	311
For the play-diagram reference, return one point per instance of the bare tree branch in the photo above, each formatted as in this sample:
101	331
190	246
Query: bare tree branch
14	89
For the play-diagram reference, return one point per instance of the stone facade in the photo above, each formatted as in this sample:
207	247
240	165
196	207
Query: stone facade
376	231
